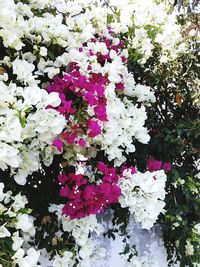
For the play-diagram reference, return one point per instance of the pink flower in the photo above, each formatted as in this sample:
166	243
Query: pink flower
99	88
167	166
66	108
121	44
154	165
90	99
100	111
89	192
102	167
120	86
82	142
77	179
70	137
124	59
107	42
58	144
94	128
103	58
115	47
98	79
62	178
80	82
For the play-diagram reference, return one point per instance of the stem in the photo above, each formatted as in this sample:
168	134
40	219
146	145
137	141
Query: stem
10	262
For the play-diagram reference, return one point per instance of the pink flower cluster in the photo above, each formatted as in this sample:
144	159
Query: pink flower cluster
78	92
83	91
155	165
84	198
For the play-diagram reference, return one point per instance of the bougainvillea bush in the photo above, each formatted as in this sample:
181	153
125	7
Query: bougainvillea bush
99	113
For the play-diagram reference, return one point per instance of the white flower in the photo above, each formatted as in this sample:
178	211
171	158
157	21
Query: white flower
30	260
10	129
43	51
9	156
27	128
45	124
2	195
4	232
189	249
19	202
142	92
198	175
80	228
142	136
52	99
114	77
20	177
197	228
11	38
64	261
24	71
52	72
25	223
86	250
17	241
4	77
19	254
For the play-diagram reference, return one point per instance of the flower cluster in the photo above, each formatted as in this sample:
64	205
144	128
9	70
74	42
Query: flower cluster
80	230
77	92
92	94
153	26
84	198
192	244
27	128
16	230
143	194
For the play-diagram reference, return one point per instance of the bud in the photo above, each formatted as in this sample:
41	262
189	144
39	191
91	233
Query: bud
54	241
45	220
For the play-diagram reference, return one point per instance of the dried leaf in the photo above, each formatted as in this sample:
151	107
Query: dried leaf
179	99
